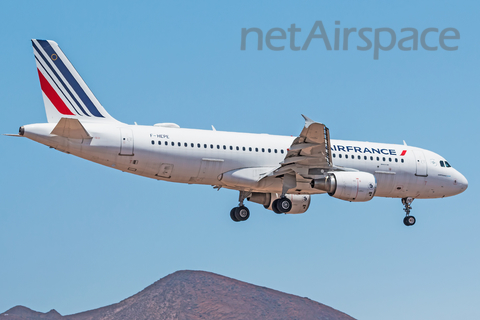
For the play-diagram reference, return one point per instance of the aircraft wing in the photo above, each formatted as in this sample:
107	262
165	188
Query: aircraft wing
310	153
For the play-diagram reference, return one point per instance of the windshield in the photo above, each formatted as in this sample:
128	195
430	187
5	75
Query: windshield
444	163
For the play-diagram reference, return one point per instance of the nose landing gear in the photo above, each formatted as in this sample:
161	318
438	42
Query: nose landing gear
408	220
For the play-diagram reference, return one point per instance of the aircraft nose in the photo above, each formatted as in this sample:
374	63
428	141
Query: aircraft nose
461	182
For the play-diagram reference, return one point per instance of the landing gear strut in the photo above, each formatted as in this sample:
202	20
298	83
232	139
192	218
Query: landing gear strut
240	213
408	220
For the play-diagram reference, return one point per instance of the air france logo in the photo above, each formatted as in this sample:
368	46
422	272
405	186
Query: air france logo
390	152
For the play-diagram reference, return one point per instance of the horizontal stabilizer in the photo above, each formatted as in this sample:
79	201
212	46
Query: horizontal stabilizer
12	135
70	128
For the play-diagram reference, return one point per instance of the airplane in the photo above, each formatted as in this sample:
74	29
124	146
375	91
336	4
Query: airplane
279	172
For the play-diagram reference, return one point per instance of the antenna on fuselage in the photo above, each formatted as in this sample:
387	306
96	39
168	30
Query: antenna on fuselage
404	143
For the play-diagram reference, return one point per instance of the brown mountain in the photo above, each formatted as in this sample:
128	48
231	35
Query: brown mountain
197	295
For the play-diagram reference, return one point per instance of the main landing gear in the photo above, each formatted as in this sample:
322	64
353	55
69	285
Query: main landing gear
281	205
240	213
408	220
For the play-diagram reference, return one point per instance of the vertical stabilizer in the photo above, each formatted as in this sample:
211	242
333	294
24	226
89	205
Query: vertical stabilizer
65	94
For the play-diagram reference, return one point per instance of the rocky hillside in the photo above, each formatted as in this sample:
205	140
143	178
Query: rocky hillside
197	295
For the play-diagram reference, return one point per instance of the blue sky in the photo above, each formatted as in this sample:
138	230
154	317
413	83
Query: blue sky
75	235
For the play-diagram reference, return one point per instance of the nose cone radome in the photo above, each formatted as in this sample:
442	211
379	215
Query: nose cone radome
460	182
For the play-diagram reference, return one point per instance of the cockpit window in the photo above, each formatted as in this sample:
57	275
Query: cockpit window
445	164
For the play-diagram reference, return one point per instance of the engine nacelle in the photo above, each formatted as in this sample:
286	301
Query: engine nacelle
300	202
349	186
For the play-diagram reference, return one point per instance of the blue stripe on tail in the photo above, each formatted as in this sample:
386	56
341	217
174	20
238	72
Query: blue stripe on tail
48	64
70	78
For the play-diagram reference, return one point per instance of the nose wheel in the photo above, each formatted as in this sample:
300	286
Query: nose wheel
408	220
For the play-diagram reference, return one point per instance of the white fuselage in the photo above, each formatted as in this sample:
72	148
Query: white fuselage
216	157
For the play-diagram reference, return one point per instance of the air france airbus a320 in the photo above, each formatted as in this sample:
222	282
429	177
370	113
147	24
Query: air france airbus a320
281	173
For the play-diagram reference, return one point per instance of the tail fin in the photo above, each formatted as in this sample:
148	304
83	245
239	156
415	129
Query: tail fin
65	94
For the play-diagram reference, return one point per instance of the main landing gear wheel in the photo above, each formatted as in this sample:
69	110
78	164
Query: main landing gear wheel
239	213
274	206
409	221
282	205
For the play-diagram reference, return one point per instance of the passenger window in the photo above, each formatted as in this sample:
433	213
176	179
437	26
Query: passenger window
275	150
198	145
173	143
334	155
243	148
263	149
402	161
281	151
224	147
218	146
396	160
390	159
185	144
231	148
249	148
371	158
256	149
353	157
269	150
166	143
192	145
205	145
179	144
359	157
364	157
237	148
153	142
211	146
340	156
383	159
378	158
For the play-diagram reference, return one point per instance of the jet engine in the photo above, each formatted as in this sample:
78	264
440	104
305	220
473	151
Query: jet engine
300	202
349	186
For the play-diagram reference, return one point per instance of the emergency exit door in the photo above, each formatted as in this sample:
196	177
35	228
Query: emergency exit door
421	163
126	143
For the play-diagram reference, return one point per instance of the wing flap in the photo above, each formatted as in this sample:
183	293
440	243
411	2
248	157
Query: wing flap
312	147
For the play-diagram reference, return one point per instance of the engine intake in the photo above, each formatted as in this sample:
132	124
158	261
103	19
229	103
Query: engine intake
349	186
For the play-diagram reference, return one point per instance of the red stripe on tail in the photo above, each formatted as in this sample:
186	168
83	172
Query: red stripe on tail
53	96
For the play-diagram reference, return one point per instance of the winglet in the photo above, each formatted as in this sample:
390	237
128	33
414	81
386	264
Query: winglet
308	121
